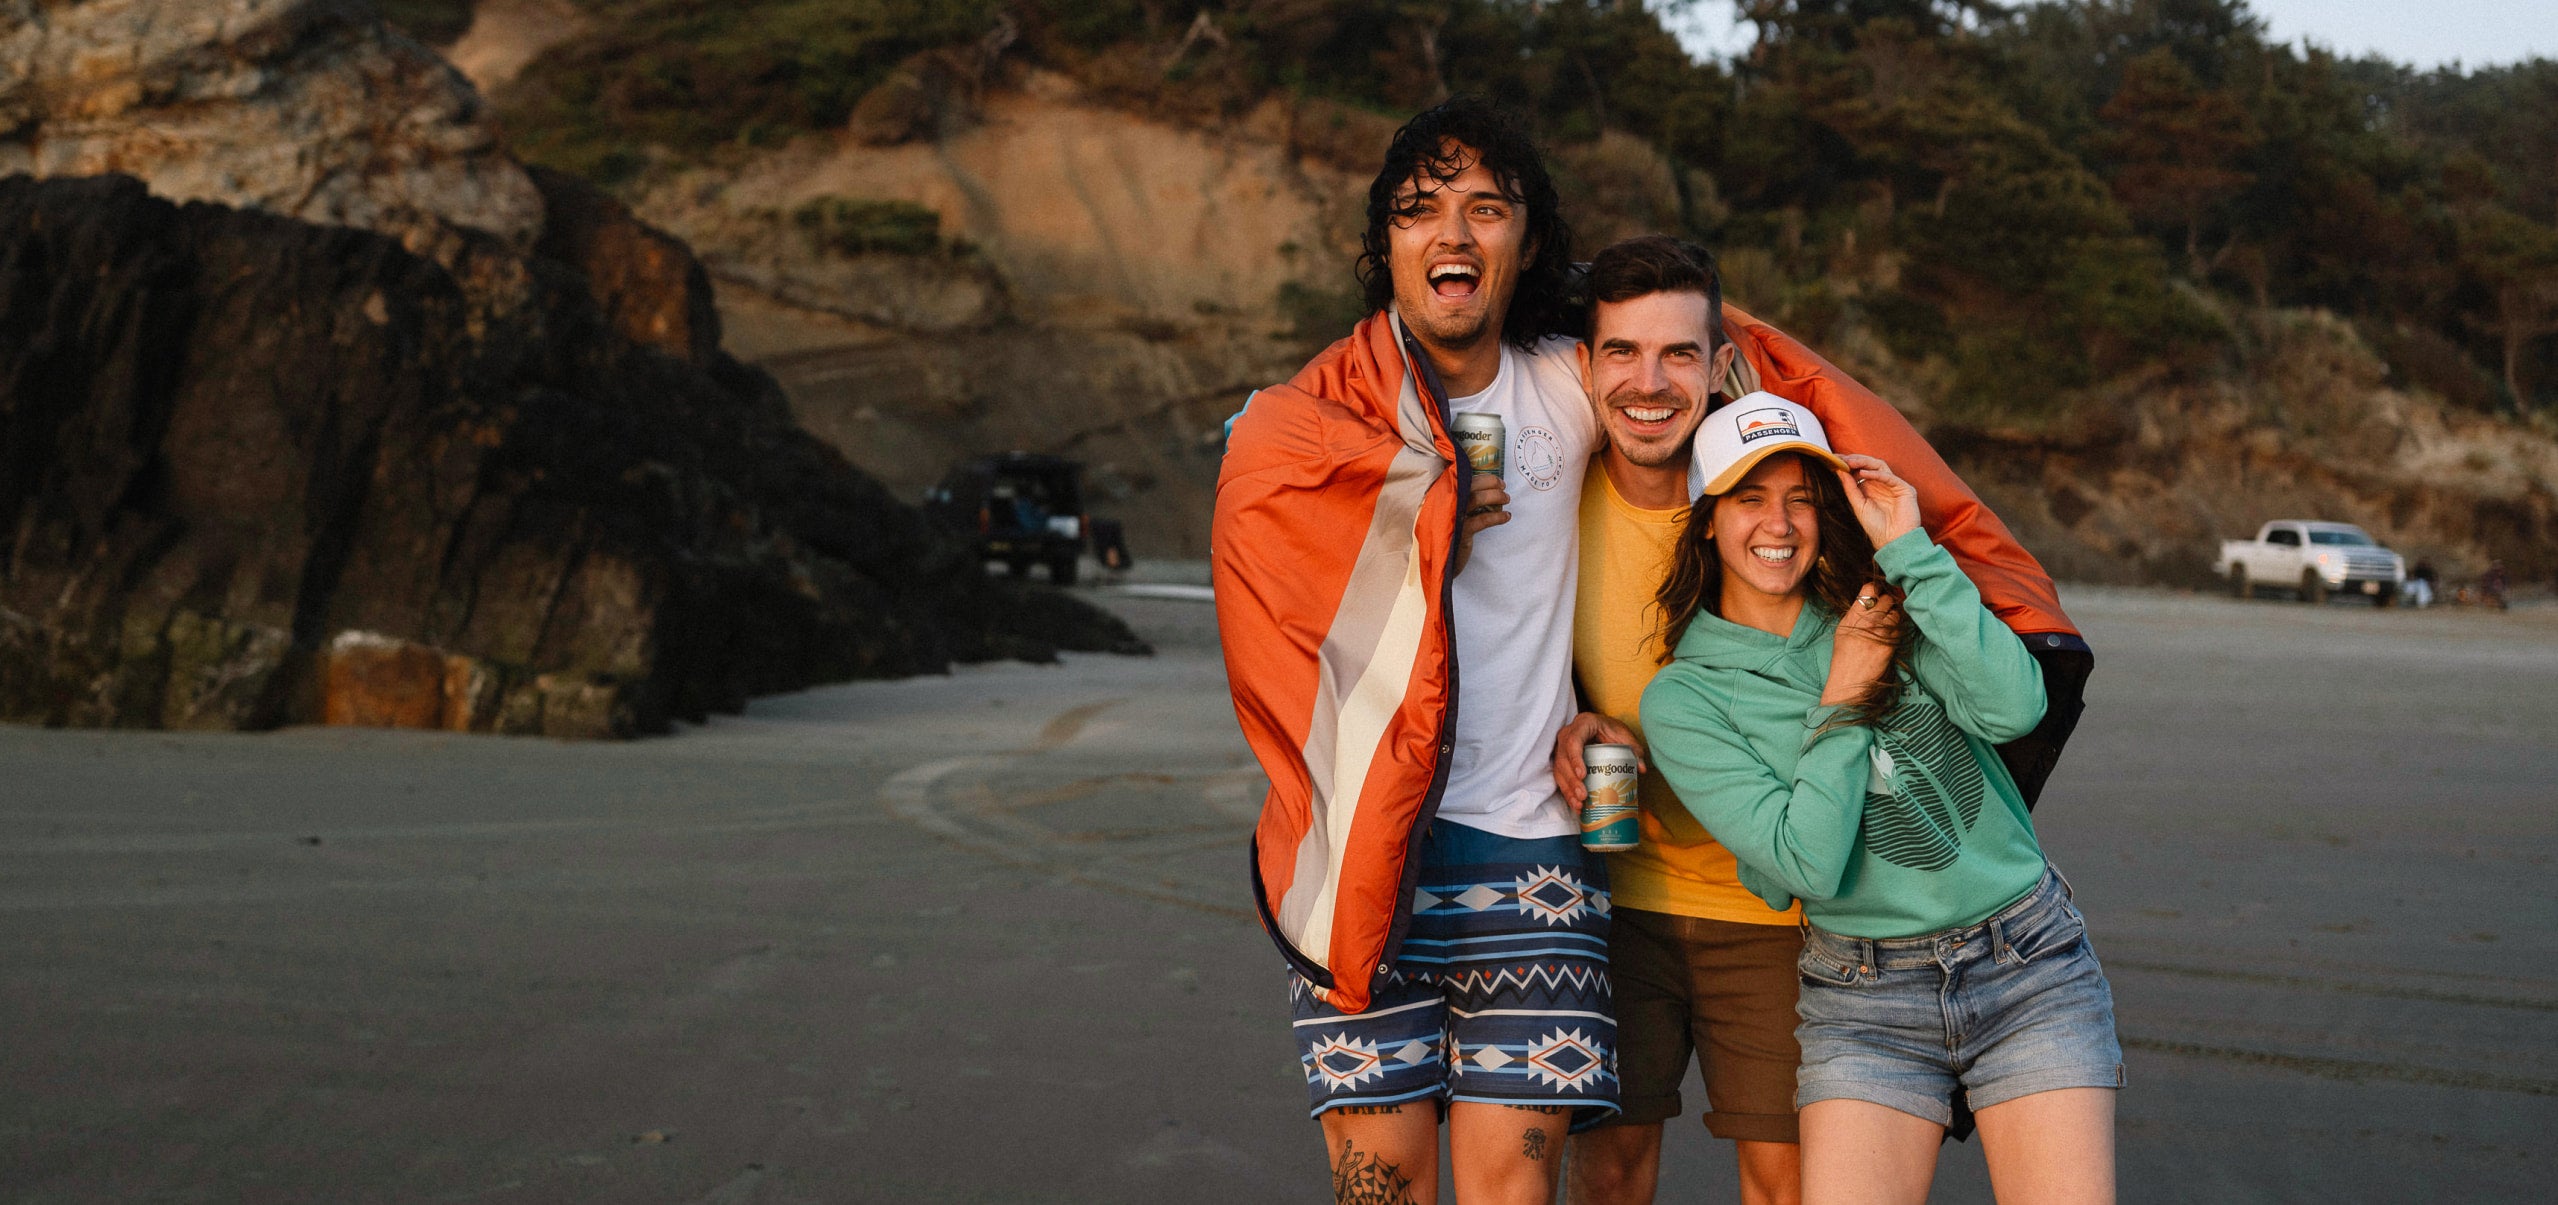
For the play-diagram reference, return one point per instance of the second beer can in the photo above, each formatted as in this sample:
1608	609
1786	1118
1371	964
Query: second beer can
1480	438
1612	819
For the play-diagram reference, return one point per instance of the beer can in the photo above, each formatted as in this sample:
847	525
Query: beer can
1611	820
1480	438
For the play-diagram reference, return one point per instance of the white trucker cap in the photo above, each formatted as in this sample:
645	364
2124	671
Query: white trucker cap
1740	435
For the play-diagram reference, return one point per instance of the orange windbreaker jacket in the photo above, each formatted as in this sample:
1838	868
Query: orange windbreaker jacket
1336	520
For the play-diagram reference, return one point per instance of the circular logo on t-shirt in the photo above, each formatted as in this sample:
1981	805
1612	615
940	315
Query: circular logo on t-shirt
1539	456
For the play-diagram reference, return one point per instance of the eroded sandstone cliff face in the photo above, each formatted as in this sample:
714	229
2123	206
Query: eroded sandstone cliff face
1106	286
262	471
312	109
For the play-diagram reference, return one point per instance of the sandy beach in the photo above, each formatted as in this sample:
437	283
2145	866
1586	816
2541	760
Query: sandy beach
986	937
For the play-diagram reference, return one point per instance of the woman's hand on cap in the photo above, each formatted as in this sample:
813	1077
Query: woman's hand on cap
1886	506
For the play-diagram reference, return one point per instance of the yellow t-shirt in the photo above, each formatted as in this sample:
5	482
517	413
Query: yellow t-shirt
1616	648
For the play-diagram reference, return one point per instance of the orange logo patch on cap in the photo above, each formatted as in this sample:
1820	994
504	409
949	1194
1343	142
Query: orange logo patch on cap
1767	423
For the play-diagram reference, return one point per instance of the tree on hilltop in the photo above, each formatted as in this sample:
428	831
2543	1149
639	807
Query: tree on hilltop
2516	260
2175	149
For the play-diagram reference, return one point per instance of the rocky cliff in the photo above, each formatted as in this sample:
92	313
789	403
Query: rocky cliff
1112	284
1087	281
263	471
1100	282
383	427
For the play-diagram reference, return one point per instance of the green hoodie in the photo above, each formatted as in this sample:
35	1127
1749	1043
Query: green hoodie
1894	831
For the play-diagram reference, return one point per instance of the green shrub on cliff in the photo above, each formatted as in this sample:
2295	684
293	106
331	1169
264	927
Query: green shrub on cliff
687	77
850	226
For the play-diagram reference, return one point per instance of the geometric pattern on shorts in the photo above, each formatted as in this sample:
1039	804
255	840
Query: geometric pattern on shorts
1500	992
1556	895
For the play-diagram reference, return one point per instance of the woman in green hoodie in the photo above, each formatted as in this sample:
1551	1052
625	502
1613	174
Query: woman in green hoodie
1829	710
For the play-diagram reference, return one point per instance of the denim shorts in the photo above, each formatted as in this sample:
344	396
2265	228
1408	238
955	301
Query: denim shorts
2006	1008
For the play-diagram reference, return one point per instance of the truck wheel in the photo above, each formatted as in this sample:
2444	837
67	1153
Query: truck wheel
2239	586
2313	588
1061	571
2388	596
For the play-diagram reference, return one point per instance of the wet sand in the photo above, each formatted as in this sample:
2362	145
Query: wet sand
986	938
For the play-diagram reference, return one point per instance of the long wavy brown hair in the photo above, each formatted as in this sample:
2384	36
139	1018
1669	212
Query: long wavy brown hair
1839	573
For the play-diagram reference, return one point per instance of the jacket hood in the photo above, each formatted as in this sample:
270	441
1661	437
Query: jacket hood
1713	642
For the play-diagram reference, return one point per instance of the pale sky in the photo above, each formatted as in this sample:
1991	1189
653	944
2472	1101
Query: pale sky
2429	33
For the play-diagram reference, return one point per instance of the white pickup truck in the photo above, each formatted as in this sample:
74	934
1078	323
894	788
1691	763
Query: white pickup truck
2314	559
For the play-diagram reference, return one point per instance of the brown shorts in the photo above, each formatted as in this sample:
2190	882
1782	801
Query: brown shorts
1721	989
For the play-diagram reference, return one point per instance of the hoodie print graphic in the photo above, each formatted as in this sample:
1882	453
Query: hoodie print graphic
1924	790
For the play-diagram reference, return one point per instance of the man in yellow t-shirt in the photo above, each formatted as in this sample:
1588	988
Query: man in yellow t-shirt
1700	964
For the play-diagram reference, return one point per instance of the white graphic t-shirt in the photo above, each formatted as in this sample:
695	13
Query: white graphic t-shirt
1512	606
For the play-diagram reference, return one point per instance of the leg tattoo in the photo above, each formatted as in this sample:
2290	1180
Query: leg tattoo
1535	1148
1359	1178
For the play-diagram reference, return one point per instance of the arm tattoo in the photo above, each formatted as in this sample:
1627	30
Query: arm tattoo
1359	1178
1536	1145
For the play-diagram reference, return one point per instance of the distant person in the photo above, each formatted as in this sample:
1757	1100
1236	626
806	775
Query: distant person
1446	939
2421	584
1702	967
1829	715
2492	585
1110	545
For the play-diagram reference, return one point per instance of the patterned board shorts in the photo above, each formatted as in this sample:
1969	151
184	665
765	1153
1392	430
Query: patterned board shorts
1500	993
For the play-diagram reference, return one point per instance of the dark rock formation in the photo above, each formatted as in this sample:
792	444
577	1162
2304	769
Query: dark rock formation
647	281
255	471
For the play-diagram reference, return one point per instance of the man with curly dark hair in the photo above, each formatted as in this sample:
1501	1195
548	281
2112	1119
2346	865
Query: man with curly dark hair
1446	935
1437	147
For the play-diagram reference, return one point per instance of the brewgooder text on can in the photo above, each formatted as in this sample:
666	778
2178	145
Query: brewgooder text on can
1481	438
1610	821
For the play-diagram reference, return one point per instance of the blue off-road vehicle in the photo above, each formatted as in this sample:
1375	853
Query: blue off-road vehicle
1020	508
